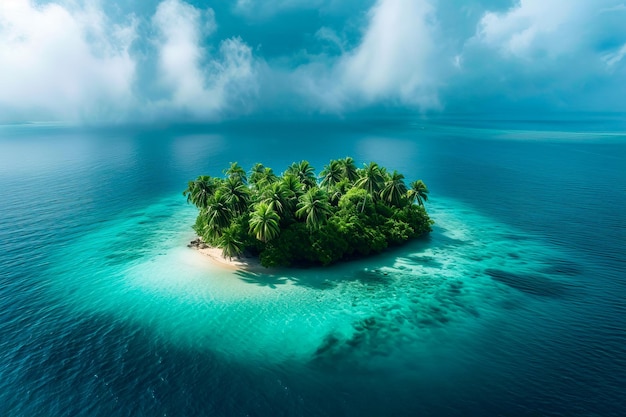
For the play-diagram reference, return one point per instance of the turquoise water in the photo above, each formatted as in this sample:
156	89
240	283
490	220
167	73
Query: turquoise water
514	306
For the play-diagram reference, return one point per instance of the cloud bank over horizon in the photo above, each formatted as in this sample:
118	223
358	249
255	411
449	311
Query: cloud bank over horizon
115	62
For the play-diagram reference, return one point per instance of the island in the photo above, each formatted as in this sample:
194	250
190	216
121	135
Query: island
301	219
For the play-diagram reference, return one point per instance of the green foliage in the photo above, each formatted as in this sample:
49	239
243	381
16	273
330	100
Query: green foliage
236	172
230	242
331	174
314	208
304	172
328	244
200	190
278	197
358	200
293	220
371	178
236	193
264	222
418	192
394	189
348	169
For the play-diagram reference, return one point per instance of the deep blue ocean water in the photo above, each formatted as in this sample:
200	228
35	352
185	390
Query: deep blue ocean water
514	306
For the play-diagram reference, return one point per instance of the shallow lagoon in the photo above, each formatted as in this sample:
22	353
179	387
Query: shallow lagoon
513	305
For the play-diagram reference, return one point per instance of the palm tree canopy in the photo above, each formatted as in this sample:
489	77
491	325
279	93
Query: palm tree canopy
305	173
266	178
230	243
201	190
256	172
348	169
314	208
237	172
293	184
264	222
278	197
371	179
337	191
418	192
394	189
218	212
237	194
331	174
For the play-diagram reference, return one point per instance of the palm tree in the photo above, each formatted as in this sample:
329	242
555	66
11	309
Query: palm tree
418	192
237	194
266	178
264	223
295	189
348	169
337	191
230	243
218	214
256	173
394	189
237	172
200	190
331	174
278	197
371	179
314	207
293	184
305	173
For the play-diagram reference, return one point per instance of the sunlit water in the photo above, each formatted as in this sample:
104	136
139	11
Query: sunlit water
513	306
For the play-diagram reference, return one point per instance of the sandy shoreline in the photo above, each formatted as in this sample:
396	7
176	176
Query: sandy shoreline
242	263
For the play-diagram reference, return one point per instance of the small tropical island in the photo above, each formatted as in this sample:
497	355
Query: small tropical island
302	219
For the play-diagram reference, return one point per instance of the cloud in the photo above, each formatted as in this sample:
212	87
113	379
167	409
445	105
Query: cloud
195	81
538	28
541	55
62	62
395	59
95	61
613	58
70	62
531	26
393	63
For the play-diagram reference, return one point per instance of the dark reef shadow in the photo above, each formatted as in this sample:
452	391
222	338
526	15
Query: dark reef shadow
424	260
562	267
535	284
337	350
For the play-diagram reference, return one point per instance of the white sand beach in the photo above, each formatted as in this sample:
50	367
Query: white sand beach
250	264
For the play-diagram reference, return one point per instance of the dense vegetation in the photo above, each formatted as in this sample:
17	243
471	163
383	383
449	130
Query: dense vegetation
296	219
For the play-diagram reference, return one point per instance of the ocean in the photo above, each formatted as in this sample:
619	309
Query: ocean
515	305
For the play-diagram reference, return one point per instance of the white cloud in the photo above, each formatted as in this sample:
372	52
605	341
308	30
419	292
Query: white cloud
394	63
195	81
613	58
63	63
395	59
550	28
328	35
532	25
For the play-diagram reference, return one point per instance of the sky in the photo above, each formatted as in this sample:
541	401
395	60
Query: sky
115	61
